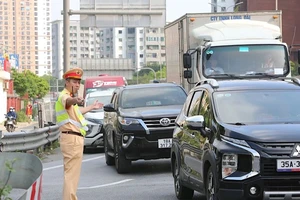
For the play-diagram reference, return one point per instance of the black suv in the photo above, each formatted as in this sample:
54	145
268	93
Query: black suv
139	123
239	139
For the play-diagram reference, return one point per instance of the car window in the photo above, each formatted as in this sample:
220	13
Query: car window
187	104
195	104
152	96
205	108
255	107
101	99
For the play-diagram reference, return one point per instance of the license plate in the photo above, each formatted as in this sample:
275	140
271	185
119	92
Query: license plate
288	165
165	143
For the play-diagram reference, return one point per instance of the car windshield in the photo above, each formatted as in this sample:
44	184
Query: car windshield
255	107
101	99
90	90
246	60
149	96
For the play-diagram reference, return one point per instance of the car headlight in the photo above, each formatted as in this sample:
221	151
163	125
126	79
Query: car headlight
128	121
236	141
229	164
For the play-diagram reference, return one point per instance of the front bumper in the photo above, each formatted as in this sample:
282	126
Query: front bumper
143	145
141	148
94	137
267	188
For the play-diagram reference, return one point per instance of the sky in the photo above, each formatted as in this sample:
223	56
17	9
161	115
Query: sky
175	8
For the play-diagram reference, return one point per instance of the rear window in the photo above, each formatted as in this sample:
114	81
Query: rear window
147	97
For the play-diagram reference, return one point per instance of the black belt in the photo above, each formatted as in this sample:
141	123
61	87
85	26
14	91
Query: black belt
72	133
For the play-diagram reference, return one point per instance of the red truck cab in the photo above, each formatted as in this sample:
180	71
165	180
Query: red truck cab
103	82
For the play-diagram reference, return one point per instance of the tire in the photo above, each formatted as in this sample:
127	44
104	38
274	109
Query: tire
10	128
210	185
122	164
181	191
108	159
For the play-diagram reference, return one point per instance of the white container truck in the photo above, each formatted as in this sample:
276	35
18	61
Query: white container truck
225	45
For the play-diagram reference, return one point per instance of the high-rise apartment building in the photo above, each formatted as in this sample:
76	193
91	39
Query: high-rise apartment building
144	46
25	30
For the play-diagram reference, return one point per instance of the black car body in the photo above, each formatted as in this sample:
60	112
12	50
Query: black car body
139	123
239	139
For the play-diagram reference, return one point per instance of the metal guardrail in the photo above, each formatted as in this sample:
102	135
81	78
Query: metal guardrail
29	140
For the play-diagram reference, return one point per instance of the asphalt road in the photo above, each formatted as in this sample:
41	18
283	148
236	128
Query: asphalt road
148	180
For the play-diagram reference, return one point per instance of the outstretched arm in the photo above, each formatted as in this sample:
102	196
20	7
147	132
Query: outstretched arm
96	105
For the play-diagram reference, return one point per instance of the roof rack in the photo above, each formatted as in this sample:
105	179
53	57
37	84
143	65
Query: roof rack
293	79
212	82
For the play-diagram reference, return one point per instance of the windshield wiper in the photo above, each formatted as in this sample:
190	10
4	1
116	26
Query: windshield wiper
228	75
237	123
259	74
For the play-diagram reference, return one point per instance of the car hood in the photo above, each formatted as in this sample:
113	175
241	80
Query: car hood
94	115
264	132
154	111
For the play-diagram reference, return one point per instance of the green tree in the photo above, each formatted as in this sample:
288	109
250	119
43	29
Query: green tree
294	69
145	76
54	83
29	83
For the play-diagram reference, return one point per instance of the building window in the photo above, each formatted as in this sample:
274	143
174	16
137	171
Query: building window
223	9
120	31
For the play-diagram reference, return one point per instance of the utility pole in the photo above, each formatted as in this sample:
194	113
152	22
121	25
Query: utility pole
66	34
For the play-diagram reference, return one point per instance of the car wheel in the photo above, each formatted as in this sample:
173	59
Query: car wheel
181	191
10	128
210	185
108	159
122	164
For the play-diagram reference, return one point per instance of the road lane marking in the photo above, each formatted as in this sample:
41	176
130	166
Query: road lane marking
59	166
105	185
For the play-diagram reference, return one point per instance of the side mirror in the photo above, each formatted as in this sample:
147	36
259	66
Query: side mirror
109	108
197	123
187	74
298	57
187	61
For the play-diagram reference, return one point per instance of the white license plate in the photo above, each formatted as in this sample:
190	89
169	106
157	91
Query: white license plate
165	143
288	165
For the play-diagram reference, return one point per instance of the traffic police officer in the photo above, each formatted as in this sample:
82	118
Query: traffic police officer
69	116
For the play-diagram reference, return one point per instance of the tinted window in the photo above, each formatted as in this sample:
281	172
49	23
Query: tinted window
253	107
205	108
195	104
147	97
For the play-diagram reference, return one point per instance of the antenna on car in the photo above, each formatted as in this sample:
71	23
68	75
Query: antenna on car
212	82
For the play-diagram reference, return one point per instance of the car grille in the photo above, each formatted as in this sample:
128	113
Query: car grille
157	131
282	185
155	122
270	152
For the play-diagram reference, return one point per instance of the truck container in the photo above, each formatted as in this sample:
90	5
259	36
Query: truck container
240	44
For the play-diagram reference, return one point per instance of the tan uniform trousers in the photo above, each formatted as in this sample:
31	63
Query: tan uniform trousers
72	150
